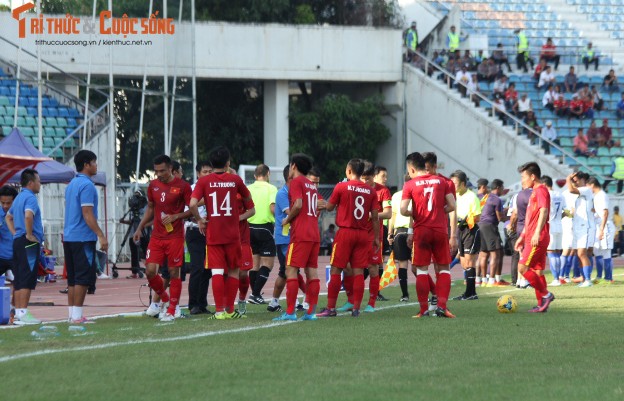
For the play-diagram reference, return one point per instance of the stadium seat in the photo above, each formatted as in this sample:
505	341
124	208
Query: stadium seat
8	120
21	121
49	131
51	122
4	101
48	142
53	112
62	122
59	132
6	130
27	131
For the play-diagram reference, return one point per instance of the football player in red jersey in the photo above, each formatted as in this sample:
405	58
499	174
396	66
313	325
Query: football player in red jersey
534	240
219	191
305	239
431	200
384	197
167	196
355	201
246	254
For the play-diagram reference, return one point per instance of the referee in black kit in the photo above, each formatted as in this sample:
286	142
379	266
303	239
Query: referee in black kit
196	245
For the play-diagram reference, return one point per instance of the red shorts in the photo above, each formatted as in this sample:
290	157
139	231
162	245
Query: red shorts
375	257
171	250
430	246
303	254
350	246
534	257
223	256
246	257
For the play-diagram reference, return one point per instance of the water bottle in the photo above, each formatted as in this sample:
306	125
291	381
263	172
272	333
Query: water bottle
76	330
168	226
44	333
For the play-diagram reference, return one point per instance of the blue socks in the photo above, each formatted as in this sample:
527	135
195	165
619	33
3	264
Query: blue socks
599	266
608	269
576	262
555	263
587	270
454	262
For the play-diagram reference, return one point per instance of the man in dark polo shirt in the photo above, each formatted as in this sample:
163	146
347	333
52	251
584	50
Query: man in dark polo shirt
491	243
516	225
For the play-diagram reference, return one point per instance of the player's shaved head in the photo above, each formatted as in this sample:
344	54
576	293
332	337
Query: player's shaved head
262	170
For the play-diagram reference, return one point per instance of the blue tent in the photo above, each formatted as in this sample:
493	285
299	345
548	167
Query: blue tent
49	171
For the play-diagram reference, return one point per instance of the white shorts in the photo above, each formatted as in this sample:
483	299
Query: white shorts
567	234
582	240
608	239
555	242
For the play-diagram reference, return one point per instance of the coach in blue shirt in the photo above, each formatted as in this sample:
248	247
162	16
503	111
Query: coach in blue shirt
24	220
282	238
81	233
7	196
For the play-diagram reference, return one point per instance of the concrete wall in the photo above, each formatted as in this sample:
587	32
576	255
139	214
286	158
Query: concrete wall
463	137
230	51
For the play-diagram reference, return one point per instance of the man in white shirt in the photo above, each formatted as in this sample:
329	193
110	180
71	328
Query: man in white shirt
568	256
605	233
523	106
462	78
546	78
583	223
549	133
501	85
557	205
548	100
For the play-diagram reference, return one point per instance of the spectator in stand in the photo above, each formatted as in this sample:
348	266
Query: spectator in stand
584	91
499	108
452	67
546	78
453	39
440	58
550	134
420	63
479	58
570	81
531	121
549	53
523	106
590	57
606	135
548	100
620	108
511	97
617	173
541	66
411	41
469	60
581	143
500	58
588	107
522	45
592	134
473	90
610	82
462	78
501	85
483	70
597	97
561	106
576	107
493	71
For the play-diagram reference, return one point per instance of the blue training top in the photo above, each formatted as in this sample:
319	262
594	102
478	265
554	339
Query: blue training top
26	200
281	203
79	193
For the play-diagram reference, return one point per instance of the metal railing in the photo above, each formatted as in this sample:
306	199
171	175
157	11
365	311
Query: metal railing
519	125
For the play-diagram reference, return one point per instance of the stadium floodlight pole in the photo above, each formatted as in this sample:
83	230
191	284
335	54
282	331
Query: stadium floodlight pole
86	112
142	115
39	90
194	89
166	88
18	74
175	80
112	176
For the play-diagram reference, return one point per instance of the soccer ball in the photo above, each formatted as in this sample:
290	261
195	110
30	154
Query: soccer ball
506	304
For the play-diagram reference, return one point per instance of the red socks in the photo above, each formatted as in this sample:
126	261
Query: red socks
231	289
358	290
292	288
218	291
422	290
432	285
373	289
243	287
538	284
175	288
348	285
302	283
314	287
332	290
443	287
156	283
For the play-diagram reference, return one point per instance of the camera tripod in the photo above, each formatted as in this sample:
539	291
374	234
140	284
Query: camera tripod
134	224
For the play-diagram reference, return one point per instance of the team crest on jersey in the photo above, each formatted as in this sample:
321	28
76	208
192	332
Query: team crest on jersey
155	189
175	190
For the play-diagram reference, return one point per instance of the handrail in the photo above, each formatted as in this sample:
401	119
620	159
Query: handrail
462	19
518	123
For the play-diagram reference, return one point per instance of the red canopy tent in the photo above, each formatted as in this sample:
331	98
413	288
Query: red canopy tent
16	155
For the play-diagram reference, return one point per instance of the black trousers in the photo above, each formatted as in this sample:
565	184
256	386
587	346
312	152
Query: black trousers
515	257
200	277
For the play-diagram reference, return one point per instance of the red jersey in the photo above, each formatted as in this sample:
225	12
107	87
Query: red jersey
428	196
243	225
451	186
560	103
169	198
354	201
219	191
576	104
304	227
540	198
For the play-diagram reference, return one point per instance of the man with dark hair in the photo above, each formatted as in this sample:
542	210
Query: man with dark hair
176	169
584	224
355	202
80	234
199	279
7	196
533	240
605	233
385	198
555	247
397	237
167	197
431	200
305	239
262	226
24	221
491	242
219	191
468	215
